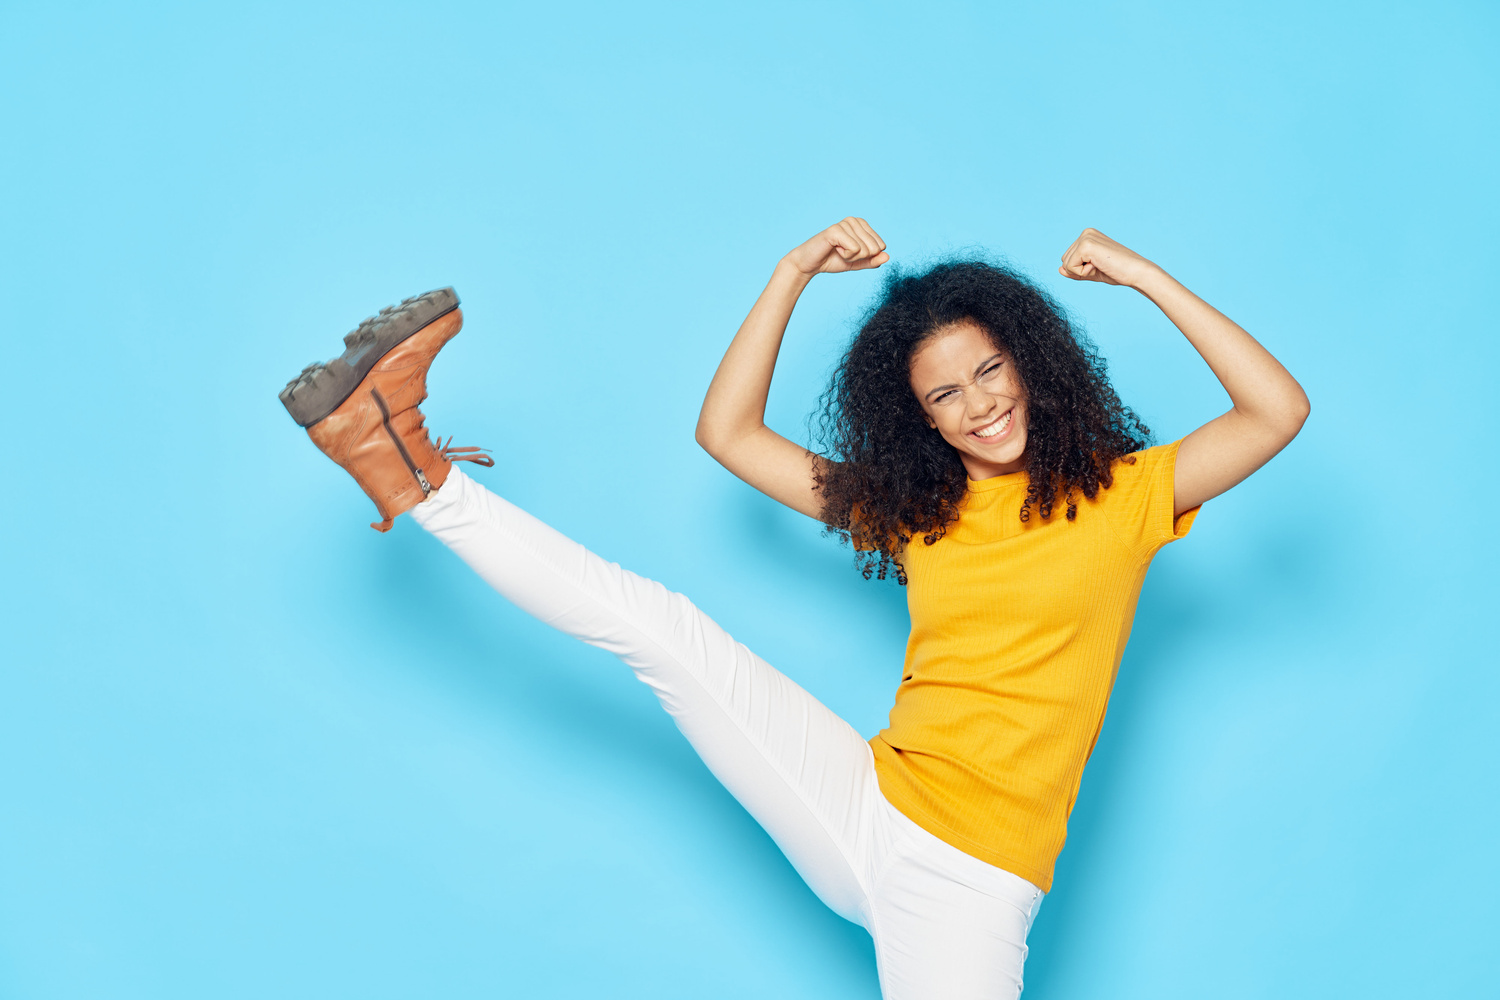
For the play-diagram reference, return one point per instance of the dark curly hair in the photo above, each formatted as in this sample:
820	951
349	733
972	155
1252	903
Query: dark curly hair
891	478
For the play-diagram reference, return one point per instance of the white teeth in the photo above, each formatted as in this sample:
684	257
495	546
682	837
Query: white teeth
997	427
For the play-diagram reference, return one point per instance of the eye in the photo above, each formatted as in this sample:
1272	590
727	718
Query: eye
991	371
946	397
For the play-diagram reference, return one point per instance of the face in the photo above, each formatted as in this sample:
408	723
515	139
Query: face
972	396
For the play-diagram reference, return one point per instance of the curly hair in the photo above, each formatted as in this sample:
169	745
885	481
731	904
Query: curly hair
890	478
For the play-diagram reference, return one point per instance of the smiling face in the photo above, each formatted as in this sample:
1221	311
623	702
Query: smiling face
972	396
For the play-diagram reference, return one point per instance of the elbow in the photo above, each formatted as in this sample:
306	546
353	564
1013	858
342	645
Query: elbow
1293	414
704	435
719	438
711	439
1278	421
1300	409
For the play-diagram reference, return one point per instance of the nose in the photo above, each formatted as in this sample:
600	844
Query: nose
977	402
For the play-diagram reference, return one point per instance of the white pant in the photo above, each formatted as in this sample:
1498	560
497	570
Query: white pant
946	925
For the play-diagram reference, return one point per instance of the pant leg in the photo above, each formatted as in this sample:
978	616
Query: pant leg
804	774
947	924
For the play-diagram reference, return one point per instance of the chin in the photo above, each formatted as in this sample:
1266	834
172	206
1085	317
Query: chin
1010	453
1008	457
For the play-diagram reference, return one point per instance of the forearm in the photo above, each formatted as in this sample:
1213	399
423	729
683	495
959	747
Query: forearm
735	405
1262	391
1269	405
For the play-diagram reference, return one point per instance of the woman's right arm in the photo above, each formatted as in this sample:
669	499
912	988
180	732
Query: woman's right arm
731	426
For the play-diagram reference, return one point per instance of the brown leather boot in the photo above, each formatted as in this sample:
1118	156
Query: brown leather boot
360	408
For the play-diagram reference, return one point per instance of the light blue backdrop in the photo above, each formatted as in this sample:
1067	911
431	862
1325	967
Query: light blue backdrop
250	748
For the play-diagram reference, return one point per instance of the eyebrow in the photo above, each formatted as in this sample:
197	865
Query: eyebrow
954	385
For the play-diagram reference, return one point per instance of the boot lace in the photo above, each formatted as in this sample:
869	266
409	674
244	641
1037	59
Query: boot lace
479	456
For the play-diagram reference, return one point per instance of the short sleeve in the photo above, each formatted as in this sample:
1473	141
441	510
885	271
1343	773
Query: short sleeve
1140	501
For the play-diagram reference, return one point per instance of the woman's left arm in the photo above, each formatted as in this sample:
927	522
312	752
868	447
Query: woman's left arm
1269	406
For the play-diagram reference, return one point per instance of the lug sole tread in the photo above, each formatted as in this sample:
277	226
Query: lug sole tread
323	386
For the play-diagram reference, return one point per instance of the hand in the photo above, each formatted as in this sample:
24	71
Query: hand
1096	257
850	245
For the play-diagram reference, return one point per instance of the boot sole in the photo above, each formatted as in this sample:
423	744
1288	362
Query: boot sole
322	386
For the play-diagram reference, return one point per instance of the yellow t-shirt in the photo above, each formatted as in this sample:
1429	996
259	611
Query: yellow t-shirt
1017	629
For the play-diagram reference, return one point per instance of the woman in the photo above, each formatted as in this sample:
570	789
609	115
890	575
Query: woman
977	451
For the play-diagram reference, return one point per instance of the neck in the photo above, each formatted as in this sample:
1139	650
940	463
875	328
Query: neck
978	468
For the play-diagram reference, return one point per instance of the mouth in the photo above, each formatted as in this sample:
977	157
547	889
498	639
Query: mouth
997	429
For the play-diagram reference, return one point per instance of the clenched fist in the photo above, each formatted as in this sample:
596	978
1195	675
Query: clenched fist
850	245
1096	257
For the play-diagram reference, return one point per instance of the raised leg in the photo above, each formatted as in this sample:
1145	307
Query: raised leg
804	774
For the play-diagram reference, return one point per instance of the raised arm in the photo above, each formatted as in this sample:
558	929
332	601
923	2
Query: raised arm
1269	406
731	425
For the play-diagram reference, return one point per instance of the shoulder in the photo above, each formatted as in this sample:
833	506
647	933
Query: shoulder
1129	472
1139	499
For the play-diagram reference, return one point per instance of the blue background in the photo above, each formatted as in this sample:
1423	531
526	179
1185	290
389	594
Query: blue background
250	748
